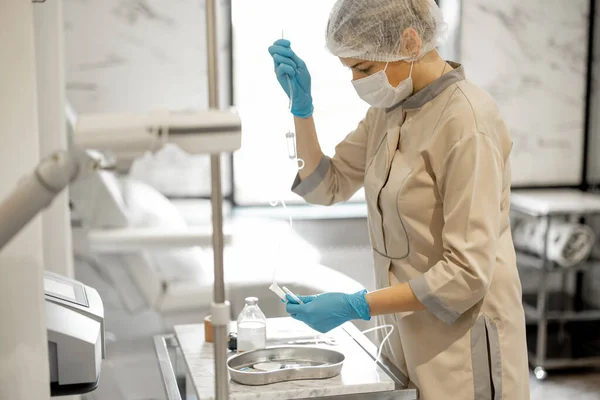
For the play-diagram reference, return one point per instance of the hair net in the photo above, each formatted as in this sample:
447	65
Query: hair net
372	29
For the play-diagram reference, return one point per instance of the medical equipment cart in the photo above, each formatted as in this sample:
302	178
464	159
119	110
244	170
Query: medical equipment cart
187	366
562	329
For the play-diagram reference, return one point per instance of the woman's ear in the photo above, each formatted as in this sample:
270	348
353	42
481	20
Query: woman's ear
411	44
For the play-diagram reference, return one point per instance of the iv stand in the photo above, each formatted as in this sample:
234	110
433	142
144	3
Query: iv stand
220	307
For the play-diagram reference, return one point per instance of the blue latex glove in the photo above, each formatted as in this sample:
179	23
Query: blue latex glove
330	310
287	63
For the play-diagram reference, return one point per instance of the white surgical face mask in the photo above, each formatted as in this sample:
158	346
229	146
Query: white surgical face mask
377	91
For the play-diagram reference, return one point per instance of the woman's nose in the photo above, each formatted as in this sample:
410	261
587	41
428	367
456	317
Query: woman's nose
357	75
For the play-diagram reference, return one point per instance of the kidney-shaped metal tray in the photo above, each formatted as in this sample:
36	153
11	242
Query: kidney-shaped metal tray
295	363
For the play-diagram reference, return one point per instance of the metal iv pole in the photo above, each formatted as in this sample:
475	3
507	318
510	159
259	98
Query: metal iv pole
220	307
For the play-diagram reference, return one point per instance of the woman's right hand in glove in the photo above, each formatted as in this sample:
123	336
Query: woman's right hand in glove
288	64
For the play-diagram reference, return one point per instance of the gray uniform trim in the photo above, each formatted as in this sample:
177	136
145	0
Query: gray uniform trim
305	187
481	361
495	357
432	90
424	294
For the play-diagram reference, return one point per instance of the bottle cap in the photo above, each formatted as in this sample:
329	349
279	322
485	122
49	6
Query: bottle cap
251	301
232	344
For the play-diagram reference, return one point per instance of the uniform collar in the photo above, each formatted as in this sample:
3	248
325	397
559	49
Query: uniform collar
432	90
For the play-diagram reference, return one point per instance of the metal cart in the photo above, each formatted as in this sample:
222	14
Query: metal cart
186	365
563	330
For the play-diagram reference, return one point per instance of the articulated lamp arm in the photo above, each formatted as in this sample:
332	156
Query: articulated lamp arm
36	191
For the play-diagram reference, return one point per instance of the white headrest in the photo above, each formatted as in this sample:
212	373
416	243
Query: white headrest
98	201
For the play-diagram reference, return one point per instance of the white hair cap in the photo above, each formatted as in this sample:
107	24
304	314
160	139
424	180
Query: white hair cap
372	29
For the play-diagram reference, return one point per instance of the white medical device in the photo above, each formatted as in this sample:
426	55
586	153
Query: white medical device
75	328
127	136
75	343
36	191
74	312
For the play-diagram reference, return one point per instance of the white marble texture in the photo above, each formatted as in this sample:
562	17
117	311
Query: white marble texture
145	55
138	55
359	373
531	56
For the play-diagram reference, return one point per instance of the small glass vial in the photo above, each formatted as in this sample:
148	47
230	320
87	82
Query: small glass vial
251	327
291	145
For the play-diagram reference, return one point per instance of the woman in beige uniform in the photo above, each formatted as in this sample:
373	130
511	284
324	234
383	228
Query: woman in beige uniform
433	156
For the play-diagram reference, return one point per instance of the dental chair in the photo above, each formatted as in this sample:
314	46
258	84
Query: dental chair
152	269
150	282
135	238
143	245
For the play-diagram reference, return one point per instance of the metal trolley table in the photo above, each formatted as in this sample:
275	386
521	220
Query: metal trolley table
187	367
563	330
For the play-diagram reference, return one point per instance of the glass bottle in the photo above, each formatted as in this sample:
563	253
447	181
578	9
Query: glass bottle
251	327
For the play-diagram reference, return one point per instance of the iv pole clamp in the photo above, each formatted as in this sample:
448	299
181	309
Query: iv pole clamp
220	307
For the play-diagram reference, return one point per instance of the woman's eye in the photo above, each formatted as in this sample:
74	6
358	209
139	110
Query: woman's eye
364	71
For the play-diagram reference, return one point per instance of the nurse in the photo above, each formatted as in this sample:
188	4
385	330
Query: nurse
432	154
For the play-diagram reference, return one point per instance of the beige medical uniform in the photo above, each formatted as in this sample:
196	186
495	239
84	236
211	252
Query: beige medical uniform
437	179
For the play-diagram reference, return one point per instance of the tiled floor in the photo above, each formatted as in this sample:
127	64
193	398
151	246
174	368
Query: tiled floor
567	386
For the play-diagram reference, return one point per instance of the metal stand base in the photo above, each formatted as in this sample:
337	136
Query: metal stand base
540	373
562	330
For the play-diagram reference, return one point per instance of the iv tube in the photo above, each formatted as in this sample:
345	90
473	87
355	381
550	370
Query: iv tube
293	155
291	143
290	136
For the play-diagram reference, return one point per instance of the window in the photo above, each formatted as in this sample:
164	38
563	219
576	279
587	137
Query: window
263	171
